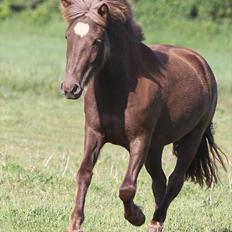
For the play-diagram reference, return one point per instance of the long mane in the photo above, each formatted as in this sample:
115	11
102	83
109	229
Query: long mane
119	11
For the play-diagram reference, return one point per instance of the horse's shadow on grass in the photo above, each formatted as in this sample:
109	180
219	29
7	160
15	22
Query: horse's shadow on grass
221	230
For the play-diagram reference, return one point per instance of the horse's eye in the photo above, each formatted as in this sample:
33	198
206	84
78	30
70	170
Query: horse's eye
97	42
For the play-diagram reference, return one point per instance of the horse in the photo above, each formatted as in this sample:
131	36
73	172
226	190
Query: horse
141	98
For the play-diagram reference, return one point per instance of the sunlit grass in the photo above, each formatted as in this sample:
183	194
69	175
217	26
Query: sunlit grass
41	148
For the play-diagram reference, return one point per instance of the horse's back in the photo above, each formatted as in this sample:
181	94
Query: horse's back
188	91
177	59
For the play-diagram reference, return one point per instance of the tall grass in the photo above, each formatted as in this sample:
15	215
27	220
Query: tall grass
23	49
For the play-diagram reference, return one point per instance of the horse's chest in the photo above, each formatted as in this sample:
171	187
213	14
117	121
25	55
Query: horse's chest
121	128
114	128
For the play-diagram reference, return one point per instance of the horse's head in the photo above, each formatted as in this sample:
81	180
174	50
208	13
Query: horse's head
85	44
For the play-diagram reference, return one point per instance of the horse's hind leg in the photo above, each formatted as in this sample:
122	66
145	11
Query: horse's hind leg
138	152
153	165
187	150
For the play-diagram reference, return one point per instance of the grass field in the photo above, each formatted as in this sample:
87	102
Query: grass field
41	141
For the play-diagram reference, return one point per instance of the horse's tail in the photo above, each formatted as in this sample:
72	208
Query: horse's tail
203	169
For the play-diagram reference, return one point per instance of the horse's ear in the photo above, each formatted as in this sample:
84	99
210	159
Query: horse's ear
66	3
103	10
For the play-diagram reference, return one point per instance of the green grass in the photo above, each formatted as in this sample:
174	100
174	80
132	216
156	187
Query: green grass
40	152
41	141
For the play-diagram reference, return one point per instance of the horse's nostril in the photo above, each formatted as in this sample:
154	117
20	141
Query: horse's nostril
75	88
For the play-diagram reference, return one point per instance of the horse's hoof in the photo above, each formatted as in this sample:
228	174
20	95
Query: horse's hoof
71	229
80	230
155	227
137	217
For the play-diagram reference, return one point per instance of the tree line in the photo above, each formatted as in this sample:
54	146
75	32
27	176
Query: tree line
43	10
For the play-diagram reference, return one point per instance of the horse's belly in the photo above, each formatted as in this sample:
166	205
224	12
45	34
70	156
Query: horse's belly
169	133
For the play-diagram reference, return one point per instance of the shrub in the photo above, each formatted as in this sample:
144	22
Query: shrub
208	9
42	10
4	9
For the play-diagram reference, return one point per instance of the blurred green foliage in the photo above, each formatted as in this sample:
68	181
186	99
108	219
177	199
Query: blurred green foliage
4	9
207	9
42	11
33	10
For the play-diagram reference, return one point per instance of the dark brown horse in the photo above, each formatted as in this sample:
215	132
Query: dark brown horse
141	98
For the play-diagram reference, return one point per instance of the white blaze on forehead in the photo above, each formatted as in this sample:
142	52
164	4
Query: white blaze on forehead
81	29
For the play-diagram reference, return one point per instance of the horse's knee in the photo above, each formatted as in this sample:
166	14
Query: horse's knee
84	174
127	193
176	179
175	183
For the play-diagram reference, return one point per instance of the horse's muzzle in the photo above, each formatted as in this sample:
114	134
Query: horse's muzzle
73	93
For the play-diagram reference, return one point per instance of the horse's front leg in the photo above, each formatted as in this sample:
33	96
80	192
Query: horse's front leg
138	151
93	144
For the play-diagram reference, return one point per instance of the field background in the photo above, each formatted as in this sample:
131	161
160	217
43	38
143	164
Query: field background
41	133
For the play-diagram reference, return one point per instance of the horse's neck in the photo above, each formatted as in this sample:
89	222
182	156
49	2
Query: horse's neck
128	61
124	58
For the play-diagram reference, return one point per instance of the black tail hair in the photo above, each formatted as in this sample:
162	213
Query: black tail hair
203	169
